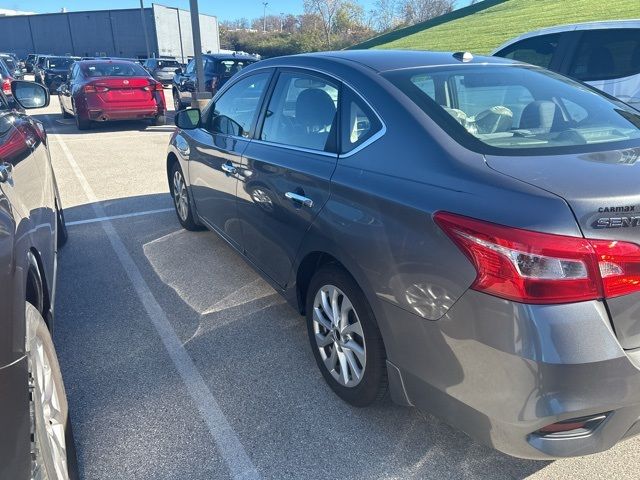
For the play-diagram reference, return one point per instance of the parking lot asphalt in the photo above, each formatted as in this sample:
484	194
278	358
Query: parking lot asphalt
180	362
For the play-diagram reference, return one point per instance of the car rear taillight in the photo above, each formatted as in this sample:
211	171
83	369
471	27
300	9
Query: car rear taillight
214	84
541	268
155	86
94	89
6	86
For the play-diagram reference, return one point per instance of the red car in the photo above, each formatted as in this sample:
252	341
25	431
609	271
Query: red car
106	90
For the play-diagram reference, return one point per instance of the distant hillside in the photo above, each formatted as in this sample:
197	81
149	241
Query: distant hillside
482	27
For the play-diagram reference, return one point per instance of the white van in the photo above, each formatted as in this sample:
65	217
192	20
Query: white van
605	55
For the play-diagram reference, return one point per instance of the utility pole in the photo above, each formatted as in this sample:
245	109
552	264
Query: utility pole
201	97
264	17
144	28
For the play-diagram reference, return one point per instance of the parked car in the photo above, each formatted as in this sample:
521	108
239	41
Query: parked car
6	77
30	62
36	441
603	54
13	65
458	230
217	70
106	90
53	71
162	69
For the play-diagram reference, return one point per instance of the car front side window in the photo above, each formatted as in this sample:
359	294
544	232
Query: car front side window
302	112
234	112
535	50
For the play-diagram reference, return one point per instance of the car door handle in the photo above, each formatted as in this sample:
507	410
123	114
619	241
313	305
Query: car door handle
5	172
228	168
307	202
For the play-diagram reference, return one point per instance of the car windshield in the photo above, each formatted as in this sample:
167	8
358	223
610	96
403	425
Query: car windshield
59	63
114	69
499	108
168	64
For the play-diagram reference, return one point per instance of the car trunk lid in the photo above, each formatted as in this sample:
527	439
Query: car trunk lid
122	90
603	190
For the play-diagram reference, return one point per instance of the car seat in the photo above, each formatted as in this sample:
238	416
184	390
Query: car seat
315	113
541	115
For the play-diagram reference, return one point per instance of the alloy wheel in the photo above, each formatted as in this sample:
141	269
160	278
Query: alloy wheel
339	336
180	197
48	417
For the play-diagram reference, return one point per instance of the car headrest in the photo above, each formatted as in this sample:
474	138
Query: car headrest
315	108
540	114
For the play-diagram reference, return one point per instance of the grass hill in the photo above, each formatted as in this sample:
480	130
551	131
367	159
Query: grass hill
484	26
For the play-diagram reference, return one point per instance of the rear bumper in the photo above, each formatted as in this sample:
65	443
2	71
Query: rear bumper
500	371
121	114
99	111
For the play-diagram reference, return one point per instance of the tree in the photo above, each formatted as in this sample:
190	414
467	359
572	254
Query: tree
415	11
384	15
326	10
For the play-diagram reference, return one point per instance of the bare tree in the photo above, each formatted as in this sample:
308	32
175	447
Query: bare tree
384	15
326	10
415	11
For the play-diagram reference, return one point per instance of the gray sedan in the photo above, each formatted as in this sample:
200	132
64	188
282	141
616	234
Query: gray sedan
460	232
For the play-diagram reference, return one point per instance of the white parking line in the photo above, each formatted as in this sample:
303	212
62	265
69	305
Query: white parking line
227	442
116	217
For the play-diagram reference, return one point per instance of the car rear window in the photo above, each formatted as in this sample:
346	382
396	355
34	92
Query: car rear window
113	69
60	63
168	64
511	109
226	68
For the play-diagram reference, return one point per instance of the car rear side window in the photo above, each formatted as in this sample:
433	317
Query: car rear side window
520	110
535	50
302	112
359	123
607	54
234	111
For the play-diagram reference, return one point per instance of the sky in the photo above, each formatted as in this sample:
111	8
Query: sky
223	9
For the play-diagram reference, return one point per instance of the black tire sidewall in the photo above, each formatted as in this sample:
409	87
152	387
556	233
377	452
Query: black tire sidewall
373	385
189	223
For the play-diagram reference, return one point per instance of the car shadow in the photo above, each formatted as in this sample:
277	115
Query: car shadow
68	126
251	349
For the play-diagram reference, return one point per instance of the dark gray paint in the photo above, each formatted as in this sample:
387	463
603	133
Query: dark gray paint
496	369
27	226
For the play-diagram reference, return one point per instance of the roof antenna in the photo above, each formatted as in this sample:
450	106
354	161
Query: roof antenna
463	56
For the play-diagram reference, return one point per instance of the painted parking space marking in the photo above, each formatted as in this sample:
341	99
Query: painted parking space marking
227	442
117	217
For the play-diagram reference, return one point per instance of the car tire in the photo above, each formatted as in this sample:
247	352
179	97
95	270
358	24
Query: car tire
182	199
177	103
159	120
53	449
65	114
82	123
61	224
353	343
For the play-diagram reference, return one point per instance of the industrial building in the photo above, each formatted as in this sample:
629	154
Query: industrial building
113	33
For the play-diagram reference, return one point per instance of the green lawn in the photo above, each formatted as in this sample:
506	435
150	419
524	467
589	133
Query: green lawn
486	25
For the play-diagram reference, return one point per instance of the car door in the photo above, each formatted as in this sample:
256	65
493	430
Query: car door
285	179
187	82
65	91
216	151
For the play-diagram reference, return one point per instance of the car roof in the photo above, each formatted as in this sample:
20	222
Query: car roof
604	25
385	60
229	56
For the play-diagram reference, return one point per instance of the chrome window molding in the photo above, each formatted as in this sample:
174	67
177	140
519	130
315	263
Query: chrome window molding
293	147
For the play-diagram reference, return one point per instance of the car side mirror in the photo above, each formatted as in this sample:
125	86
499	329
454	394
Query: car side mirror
188	119
29	94
178	71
